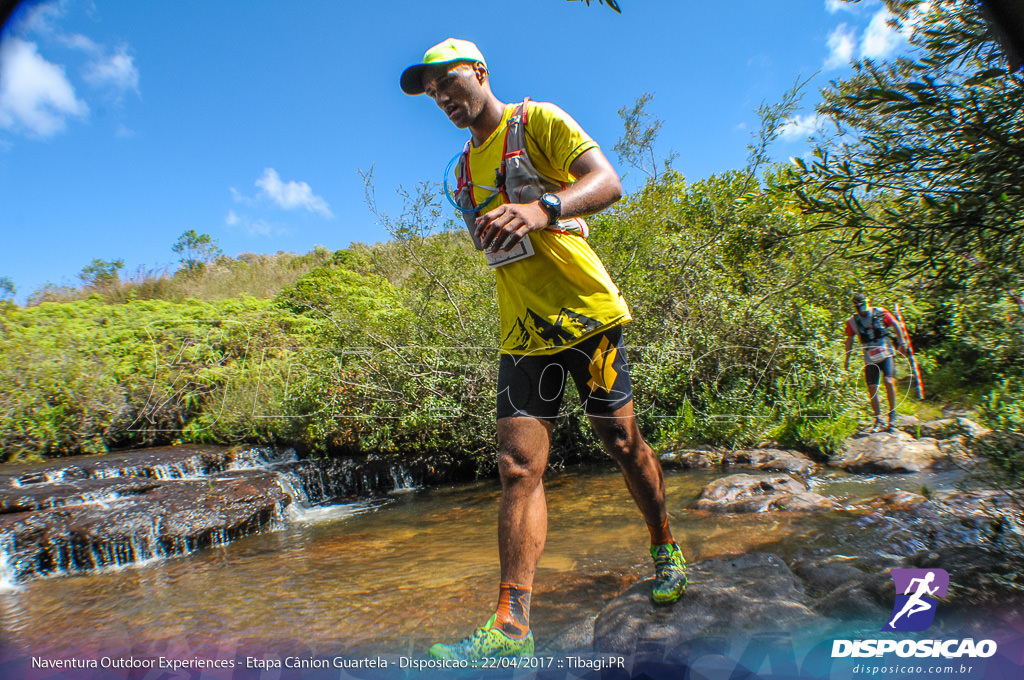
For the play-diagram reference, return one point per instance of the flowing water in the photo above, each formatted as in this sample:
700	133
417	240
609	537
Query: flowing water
394	576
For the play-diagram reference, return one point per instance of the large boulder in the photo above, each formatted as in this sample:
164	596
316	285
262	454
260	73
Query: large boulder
745	595
759	493
891	452
734	600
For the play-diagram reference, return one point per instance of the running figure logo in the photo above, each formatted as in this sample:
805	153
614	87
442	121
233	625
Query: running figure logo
916	590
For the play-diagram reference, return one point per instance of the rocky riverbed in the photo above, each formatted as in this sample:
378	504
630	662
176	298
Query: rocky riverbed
975	535
77	515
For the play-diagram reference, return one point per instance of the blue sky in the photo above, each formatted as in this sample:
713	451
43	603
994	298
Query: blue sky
123	124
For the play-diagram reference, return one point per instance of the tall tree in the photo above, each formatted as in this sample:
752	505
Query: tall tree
926	169
7	289
195	250
101	273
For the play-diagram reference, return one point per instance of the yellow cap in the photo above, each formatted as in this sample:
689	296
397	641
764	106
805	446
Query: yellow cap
444	52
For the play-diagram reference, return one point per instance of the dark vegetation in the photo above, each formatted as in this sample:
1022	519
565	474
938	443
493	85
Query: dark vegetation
739	285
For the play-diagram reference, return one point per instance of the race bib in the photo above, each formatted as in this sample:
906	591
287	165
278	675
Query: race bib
878	354
500	258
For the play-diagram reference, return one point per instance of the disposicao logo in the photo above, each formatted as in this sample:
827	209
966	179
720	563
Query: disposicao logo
914	610
916	590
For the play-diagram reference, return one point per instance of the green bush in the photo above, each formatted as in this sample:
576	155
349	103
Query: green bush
1003	411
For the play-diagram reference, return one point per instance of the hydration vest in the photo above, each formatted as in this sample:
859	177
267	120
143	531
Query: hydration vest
872	333
874	336
516	179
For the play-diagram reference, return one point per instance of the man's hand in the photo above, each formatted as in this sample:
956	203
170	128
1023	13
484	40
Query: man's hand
597	186
505	226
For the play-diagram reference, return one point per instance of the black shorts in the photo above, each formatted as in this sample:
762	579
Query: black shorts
533	385
873	372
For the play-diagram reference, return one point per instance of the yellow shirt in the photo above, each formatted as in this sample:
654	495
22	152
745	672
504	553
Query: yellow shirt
562	293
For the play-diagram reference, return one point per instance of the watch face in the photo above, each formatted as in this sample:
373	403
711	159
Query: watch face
553	204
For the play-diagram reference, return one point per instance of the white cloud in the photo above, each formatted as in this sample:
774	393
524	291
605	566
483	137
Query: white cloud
78	41
291	195
834	6
35	95
39	17
116	70
262	228
799	127
231	219
880	39
841	42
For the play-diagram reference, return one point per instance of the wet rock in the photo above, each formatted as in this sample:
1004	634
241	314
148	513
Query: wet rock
985	582
692	458
823	571
866	597
768	459
982	578
752	493
46	496
167	462
908	423
944	428
897	500
78	514
577	638
771	460
915	522
986	503
895	452
978	505
166	518
746	595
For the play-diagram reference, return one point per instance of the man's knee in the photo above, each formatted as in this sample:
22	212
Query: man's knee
622	442
516	464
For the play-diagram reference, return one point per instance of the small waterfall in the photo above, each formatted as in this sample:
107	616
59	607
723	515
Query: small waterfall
7	575
98	513
403	480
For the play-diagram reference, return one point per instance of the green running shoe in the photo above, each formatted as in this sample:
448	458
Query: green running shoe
486	642
669	573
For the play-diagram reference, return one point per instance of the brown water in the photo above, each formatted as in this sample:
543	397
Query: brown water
394	578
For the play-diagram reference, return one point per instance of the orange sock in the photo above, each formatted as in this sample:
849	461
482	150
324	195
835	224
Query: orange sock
660	535
513	615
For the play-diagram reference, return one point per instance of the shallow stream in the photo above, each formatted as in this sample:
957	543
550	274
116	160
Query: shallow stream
395	576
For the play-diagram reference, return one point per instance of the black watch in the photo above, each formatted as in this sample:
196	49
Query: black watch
553	205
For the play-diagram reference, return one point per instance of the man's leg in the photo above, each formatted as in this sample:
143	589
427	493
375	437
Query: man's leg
890	393
872	376
523	445
619	433
876	407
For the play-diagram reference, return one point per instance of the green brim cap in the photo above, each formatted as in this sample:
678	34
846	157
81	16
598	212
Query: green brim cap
444	52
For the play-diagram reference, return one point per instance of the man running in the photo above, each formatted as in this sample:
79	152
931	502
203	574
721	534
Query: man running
871	325
526	178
